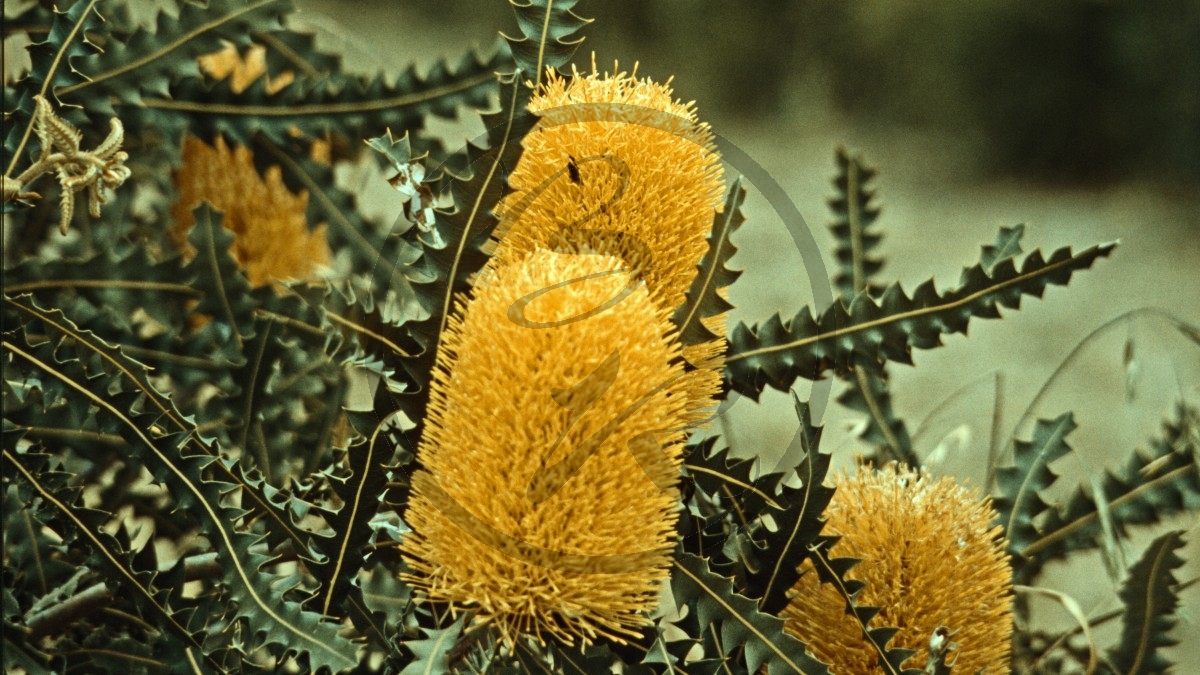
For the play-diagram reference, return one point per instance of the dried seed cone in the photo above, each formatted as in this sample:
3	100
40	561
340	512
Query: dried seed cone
665	194
273	240
589	560
931	557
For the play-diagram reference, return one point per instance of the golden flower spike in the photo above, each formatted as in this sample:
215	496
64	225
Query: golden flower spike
552	448
619	154
932	559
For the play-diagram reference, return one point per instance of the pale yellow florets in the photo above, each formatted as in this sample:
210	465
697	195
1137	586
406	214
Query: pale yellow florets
931	556
589	560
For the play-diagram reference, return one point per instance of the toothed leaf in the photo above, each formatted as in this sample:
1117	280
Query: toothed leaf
1150	604
705	296
547	38
854	215
888	328
761	635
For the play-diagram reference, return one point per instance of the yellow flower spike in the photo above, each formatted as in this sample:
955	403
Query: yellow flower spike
631	157
539	535
617	155
273	240
931	557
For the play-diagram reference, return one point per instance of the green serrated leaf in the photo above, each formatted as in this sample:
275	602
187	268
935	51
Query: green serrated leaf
1150	603
854	215
147	62
332	103
431	653
88	524
1008	245
868	391
797	524
280	622
1018	500
547	37
1151	487
454	246
217	274
53	67
761	635
833	571
776	353
294	51
704	299
869	394
362	491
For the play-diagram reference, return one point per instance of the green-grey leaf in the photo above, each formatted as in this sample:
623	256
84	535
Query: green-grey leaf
741	623
547	35
776	353
1150	603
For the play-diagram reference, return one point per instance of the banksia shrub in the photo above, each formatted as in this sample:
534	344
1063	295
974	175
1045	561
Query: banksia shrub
932	556
577	411
470	450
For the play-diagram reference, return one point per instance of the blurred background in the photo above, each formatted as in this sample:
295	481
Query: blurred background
1079	118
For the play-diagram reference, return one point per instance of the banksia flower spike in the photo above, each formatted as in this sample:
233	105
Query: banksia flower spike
548	507
629	171
273	240
620	154
931	557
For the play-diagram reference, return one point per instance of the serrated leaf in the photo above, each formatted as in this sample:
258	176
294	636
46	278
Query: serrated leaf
833	571
53	67
430	654
726	498
797	524
295	51
760	635
331	103
361	492
386	260
547	35
163	452
1150	604
454	248
888	328
278	621
854	243
854	216
218	276
88	524
1018	500
104	358
115	282
704	298
1151	487
869	394
1008	245
146	62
